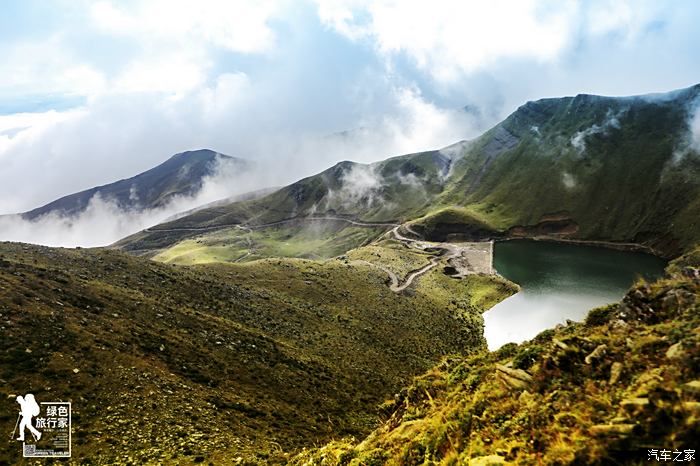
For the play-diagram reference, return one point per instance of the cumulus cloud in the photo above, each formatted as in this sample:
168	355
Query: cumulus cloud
236	25
172	43
455	36
451	38
35	67
578	140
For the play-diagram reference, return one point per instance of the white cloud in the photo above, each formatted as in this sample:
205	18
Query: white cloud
218	100
361	185
103	222
624	18
25	129
46	67
174	74
174	42
690	142
694	125
451	38
612	120
236	25
419	125
18	122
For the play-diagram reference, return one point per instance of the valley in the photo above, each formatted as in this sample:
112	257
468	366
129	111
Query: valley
349	233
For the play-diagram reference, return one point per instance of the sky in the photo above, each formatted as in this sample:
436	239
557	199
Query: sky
95	91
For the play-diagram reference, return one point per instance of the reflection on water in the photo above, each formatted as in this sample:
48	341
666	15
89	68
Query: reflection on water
559	282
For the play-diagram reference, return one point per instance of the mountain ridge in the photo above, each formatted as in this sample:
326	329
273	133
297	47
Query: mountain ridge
610	165
182	174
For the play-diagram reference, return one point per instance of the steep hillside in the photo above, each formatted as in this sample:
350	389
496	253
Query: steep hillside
591	168
393	190
219	362
605	391
180	175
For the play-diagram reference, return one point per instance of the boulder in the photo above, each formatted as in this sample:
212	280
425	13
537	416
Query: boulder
515	378
612	430
489	460
615	372
675	351
597	353
692	407
634	404
692	387
560	344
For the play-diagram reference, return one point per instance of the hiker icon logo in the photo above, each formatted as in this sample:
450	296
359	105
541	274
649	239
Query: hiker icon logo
49	426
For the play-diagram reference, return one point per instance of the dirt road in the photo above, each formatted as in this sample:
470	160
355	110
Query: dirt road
451	253
460	256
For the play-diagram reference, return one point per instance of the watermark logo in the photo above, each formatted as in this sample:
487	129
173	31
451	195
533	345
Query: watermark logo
663	455
49	427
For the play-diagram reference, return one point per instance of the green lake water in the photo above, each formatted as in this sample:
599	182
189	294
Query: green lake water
559	282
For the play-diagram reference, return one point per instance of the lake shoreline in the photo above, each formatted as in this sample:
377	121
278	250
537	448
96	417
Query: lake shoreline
618	246
559	281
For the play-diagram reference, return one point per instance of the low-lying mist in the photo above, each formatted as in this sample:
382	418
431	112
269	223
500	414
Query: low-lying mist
103	222
51	157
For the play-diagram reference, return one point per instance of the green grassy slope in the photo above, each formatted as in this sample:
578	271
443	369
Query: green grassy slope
211	363
613	166
599	392
311	240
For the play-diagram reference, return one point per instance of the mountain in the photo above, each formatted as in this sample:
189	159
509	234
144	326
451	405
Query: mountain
181	175
619	170
386	191
589	167
375	354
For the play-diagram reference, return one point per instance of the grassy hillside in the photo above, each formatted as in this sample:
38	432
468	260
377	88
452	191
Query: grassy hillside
617	169
392	190
214	363
311	240
452	223
599	392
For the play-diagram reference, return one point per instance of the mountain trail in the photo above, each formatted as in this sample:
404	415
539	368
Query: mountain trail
449	252
462	257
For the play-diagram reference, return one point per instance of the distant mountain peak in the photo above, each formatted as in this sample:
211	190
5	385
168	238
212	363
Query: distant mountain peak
180	175
200	153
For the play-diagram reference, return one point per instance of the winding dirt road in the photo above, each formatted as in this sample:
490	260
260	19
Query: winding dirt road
272	224
449	250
